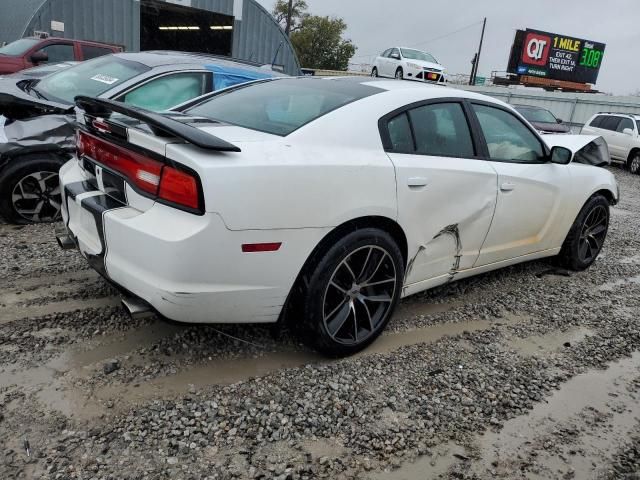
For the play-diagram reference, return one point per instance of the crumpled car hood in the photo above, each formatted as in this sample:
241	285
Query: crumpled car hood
587	149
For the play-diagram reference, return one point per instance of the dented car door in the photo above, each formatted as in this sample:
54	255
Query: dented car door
446	192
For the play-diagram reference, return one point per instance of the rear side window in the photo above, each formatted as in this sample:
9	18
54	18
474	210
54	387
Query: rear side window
167	91
610	123
89	51
625	123
400	134
441	129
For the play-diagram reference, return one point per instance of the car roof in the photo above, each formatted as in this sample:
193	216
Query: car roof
635	116
158	58
86	42
392	85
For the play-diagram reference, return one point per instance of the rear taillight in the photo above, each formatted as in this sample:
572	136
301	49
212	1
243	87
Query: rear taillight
179	187
151	176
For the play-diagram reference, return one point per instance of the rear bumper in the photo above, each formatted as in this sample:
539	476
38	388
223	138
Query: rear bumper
189	268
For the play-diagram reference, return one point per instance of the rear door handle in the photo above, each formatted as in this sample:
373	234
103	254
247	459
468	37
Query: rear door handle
417	182
507	187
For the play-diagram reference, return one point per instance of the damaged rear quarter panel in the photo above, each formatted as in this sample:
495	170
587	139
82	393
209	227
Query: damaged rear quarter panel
46	133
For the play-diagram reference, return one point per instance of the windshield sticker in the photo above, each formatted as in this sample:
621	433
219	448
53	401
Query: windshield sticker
104	79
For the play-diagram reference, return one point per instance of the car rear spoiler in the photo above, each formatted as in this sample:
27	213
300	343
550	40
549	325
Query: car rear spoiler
160	125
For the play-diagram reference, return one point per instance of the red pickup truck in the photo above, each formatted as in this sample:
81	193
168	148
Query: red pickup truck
31	51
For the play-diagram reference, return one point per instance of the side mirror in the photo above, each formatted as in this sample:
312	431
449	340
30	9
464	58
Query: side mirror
561	155
628	131
39	57
559	120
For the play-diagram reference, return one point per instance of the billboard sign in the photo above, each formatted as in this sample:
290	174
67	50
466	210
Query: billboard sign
557	57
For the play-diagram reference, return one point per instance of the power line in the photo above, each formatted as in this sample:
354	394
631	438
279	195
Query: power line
447	34
430	40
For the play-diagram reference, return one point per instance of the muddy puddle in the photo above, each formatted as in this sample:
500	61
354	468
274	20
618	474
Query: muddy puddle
551	342
442	457
229	371
13	313
579	428
52	382
48	381
408	309
46	283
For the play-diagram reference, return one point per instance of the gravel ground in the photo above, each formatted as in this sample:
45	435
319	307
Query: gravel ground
528	372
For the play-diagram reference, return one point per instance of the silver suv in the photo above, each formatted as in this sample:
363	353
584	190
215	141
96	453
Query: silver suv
621	132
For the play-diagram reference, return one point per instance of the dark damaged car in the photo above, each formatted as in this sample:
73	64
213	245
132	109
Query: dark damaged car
38	117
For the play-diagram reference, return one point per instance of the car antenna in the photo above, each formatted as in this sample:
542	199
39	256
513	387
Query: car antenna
275	57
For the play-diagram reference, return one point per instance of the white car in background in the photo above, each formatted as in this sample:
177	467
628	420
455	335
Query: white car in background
622	134
321	201
409	64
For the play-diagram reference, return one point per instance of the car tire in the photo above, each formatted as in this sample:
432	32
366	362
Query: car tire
30	184
351	292
399	74
587	235
374	72
634	163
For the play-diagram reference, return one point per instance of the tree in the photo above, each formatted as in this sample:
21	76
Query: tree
298	14
319	43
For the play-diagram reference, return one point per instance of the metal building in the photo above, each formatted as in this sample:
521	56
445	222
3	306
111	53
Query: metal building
238	28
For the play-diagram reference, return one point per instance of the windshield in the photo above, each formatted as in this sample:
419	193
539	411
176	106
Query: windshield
19	47
44	70
281	106
539	115
91	78
417	55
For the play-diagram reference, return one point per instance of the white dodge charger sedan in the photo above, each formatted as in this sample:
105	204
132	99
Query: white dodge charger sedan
321	201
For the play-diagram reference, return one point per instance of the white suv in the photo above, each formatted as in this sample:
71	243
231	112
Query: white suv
620	131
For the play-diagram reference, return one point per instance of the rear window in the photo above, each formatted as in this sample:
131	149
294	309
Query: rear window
279	107
91	78
90	51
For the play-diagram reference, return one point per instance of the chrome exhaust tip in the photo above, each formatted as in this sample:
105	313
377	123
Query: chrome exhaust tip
137	308
65	242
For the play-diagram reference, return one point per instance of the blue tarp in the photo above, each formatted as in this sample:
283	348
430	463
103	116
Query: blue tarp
228	76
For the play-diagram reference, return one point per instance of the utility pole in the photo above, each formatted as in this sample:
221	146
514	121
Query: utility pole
476	62
473	67
287	30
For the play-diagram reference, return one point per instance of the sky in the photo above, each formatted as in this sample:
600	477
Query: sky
375	25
